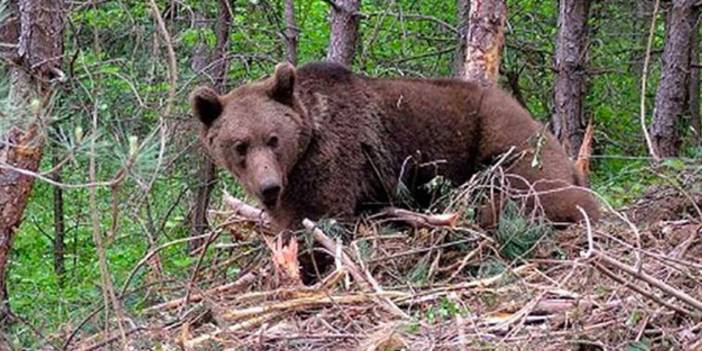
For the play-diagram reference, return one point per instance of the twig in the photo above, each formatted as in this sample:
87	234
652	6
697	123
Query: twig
303	303
420	250
465	260
243	282
348	262
644	77
172	65
191	282
413	16
590	240
329	244
34	330
150	254
108	290
640	290
245	210
421	220
232	328
112	339
680	295
433	294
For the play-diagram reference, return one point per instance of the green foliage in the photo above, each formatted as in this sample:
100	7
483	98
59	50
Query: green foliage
517	234
446	309
643	345
116	67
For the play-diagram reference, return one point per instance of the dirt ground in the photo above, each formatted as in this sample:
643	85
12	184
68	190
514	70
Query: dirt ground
632	281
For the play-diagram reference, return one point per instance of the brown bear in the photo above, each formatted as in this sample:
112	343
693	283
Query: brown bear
321	141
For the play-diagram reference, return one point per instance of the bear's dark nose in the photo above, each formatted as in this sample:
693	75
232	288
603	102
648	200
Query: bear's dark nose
269	194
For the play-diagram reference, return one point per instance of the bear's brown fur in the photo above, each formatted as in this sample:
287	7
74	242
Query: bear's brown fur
321	141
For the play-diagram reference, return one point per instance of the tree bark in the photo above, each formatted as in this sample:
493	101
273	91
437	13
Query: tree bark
9	33
207	175
672	93
694	88
570	59
37	28
291	32
459	59
344	30
485	40
59	223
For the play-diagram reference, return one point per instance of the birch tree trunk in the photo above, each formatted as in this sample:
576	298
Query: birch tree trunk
568	121
672	93
344	30
485	40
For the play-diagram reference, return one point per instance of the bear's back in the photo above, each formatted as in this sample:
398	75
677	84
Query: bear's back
325	71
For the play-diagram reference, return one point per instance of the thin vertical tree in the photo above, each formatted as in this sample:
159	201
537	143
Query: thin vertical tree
570	61
345	18
291	32
672	92
35	30
459	59
59	222
215	64
484	40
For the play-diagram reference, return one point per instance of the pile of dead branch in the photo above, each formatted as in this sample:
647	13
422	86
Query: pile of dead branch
433	281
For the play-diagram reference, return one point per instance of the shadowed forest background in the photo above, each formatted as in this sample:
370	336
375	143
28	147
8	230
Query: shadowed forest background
97	134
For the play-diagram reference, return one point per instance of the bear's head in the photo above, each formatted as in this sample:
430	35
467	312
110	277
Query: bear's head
257	132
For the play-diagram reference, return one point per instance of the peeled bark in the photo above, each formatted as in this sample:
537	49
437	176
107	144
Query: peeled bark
37	28
570	60
218	62
485	40
20	149
291	32
672	93
344	30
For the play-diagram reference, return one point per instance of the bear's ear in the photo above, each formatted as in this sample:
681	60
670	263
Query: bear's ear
283	82
206	105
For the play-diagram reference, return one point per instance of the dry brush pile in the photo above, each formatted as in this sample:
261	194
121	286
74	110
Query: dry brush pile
404	280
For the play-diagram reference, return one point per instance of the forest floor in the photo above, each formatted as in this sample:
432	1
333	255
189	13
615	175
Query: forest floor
632	281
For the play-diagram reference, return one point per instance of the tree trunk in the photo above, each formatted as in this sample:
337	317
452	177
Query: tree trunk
672	93
206	175
37	28
459	59
219	56
9	33
694	89
344	30
485	40
291	32
570	60
59	223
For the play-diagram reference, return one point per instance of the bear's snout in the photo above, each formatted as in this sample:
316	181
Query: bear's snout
269	193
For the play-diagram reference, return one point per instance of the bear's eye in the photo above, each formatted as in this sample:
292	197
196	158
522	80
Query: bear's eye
241	148
272	141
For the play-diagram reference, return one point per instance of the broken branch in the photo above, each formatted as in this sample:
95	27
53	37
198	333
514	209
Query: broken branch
421	220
